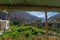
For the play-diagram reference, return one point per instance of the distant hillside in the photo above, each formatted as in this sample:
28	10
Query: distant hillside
54	17
20	16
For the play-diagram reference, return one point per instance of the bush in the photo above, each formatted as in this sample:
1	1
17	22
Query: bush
32	30
27	35
20	30
15	23
11	23
43	33
34	33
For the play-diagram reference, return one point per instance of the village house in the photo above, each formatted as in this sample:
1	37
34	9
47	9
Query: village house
4	22
53	21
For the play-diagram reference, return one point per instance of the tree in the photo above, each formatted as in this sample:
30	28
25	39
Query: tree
38	21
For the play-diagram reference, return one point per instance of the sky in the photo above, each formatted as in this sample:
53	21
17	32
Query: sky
41	14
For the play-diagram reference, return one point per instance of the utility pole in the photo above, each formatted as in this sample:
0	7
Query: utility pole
46	23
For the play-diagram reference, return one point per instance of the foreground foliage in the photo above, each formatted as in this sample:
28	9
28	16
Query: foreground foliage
22	31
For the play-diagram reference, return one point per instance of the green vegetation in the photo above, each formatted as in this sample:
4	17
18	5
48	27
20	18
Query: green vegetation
23	31
16	30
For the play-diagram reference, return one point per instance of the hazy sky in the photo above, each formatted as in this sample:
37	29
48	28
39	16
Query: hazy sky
41	14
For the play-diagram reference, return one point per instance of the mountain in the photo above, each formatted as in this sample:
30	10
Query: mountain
19	16
22	16
54	17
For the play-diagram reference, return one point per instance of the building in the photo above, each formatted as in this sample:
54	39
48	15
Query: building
4	22
55	20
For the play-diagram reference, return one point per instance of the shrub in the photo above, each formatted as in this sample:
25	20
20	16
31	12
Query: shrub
27	35
32	30
35	33
20	30
43	33
15	23
11	23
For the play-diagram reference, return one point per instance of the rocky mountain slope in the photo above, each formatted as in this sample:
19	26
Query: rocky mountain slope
19	16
